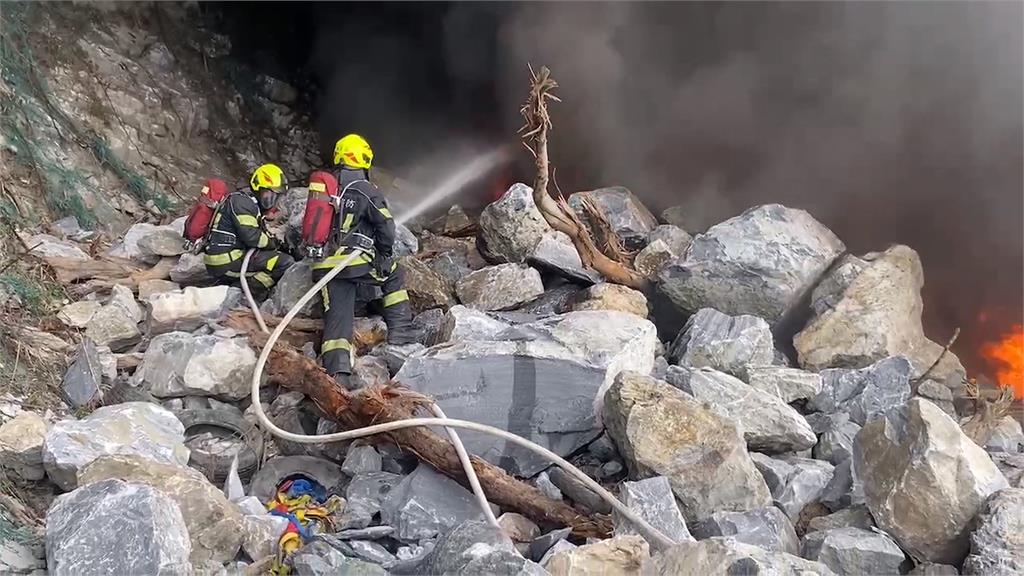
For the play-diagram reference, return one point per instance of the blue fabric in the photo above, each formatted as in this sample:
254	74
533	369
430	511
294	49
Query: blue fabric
302	487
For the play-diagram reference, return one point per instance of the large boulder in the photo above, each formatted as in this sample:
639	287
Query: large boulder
511	227
768	423
730	344
625	213
162	241
462	323
190	270
132	428
607	296
789	384
761	262
795	482
475	547
866	393
662	431
135	244
499	287
1007	436
625	555
878	316
179	364
924	479
113	326
318	558
113	527
767	528
21	445
426	504
730	556
211	520
46	246
426	289
652	499
997	540
854	551
543	380
190	308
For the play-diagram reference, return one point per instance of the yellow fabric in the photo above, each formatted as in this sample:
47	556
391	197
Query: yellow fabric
396	297
263	278
247	220
264	240
385	212
339	257
326	296
318	187
348	222
354	151
272	262
222	259
267	176
336	344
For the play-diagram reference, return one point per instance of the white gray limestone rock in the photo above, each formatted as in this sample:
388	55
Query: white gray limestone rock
555	252
179	364
426	504
46	246
789	384
361	459
767	528
835	443
190	270
997	540
625	213
608	296
113	326
499	287
854	551
318	558
794	482
665	244
462	323
729	344
21	445
475	547
78	314
293	285
1007	436
115	527
924	479
856	516
190	308
866	393
512	226
730	556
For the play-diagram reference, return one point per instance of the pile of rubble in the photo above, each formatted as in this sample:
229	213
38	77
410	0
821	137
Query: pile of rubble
837	461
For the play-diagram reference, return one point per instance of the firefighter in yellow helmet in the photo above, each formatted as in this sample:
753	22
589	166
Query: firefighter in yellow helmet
238	226
364	227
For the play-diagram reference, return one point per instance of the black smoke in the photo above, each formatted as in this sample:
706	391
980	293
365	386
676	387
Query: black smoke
890	122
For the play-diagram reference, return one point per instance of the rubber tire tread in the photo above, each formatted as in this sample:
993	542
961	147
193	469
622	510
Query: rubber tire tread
217	468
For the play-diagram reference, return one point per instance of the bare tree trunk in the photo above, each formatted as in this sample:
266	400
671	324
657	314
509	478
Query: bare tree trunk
557	212
291	369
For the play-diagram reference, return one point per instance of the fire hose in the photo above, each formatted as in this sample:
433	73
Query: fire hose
448	424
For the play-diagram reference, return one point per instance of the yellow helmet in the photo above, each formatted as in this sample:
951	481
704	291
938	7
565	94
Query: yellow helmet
267	176
354	151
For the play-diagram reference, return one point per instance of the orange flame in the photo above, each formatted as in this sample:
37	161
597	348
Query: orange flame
1006	356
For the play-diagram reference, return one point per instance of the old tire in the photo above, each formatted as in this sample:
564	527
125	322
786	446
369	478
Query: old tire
216	466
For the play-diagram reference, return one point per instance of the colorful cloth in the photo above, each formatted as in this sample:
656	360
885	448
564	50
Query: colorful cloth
306	506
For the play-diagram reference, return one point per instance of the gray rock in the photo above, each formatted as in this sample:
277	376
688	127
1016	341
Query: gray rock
603	448
277	90
81	385
426	288
674	236
78	314
829	291
319	558
578	492
454	222
626	554
854	551
924	479
21	445
997	548
364	497
372	552
18	557
766	528
556	252
130	249
545	382
395	356
148	288
629	218
866	393
190	308
179	364
369	371
68	227
608	296
137	428
293	285
836	441
795	482
151	537
676	216
665	244
499	287
362	459
761	263
46	246
768	423
162	241
930	569
429	325
728	344
261	534
557	548
857	516
114	327
478	548
519	528
1007	436
789	384
610	470
512	226
844	489
462	323
266	480
879	316
371	533
1011	465
545	485
662	431
652	500
426	504
556	300
938	394
729	556
190	270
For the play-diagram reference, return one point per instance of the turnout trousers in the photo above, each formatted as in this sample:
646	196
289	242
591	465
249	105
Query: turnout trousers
265	268
339	298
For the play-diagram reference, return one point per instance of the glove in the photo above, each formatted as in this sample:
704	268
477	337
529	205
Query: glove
383	265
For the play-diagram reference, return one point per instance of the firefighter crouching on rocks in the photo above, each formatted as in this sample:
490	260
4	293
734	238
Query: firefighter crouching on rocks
363	227
238	226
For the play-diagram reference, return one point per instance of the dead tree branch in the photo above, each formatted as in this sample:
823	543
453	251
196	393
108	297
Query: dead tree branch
557	212
987	414
291	369
945	350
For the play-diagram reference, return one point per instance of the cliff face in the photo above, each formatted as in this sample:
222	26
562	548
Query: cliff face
114	113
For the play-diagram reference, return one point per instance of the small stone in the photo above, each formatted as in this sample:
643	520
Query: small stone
545	485
190	308
21	445
652	500
190	270
362	459
372	552
836	441
123	297
603	448
369	371
426	504
857	516
78	314
478	548
578	492
611	469
82	381
518	527
997	547
795	482
607	296
113	326
622	210
428	324
162	241
541	545
364	496
1007	436
261	533
318	558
